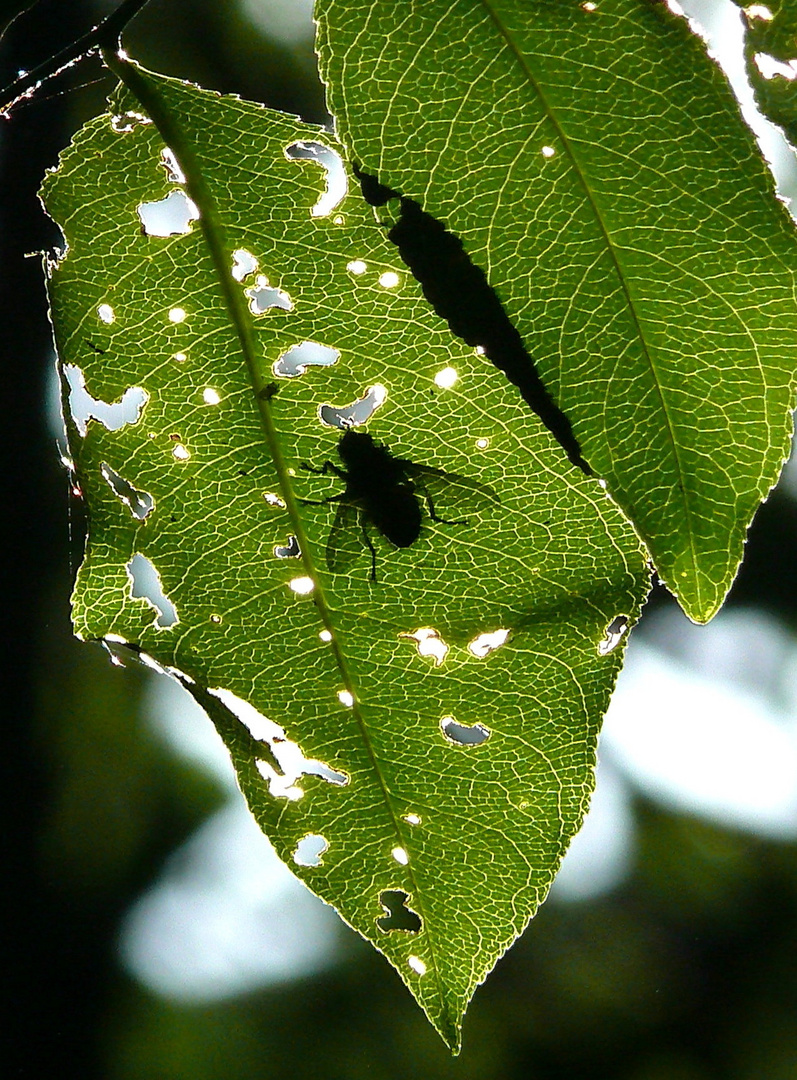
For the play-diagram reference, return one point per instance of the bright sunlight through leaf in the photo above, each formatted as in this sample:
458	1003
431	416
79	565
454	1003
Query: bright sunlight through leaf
414	680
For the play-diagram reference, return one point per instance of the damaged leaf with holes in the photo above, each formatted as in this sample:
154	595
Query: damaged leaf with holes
575	187
419	748
771	55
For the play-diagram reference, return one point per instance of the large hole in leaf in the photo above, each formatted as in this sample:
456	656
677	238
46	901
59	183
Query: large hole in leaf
286	754
459	292
359	412
146	584
291	550
310	849
296	360
484	644
398	916
243	264
263	296
464	734
429	643
330	162
141	503
169	216
113	416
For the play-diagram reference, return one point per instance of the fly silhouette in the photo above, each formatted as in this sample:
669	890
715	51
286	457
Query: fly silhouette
384	492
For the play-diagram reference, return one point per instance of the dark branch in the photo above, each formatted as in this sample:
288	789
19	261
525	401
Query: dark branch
105	34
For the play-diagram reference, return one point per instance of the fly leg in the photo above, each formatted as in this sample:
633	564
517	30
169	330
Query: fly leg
321	502
371	547
324	470
432	512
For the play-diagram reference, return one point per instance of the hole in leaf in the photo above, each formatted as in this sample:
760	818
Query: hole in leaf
614	634
106	314
346	698
389	280
412	819
310	849
170	163
127	121
400	855
296	360
325	635
359	412
169	216
336	182
243	264
770	67
547	151
177	315
446	378
464	734
274	500
397	915
417	965
303	586
263	296
429	643
290	551
287	754
112	416
459	292
211	396
140	503
180	453
484	644
145	583
357	267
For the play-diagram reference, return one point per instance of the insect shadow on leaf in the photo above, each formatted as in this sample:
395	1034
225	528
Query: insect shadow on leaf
384	492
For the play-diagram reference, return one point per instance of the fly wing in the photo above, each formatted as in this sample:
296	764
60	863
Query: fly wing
346	541
449	493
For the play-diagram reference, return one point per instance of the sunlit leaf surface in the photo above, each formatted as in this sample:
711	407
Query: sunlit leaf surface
419	747
593	161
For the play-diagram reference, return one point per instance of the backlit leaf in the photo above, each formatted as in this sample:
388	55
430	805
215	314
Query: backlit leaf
432	733
593	161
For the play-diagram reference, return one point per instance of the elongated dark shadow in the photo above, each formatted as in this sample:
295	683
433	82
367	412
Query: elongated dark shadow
459	292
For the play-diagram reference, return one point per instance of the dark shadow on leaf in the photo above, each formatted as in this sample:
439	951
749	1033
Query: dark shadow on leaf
459	292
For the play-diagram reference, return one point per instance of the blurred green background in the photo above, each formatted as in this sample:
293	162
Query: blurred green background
150	931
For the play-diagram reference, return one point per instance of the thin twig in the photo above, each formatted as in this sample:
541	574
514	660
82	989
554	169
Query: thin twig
105	34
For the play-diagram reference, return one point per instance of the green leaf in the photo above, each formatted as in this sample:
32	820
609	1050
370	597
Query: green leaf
593	161
366	677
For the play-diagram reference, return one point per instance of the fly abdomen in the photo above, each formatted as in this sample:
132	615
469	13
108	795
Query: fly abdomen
397	516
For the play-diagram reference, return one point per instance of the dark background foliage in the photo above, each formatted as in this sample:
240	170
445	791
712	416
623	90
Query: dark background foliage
683	972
